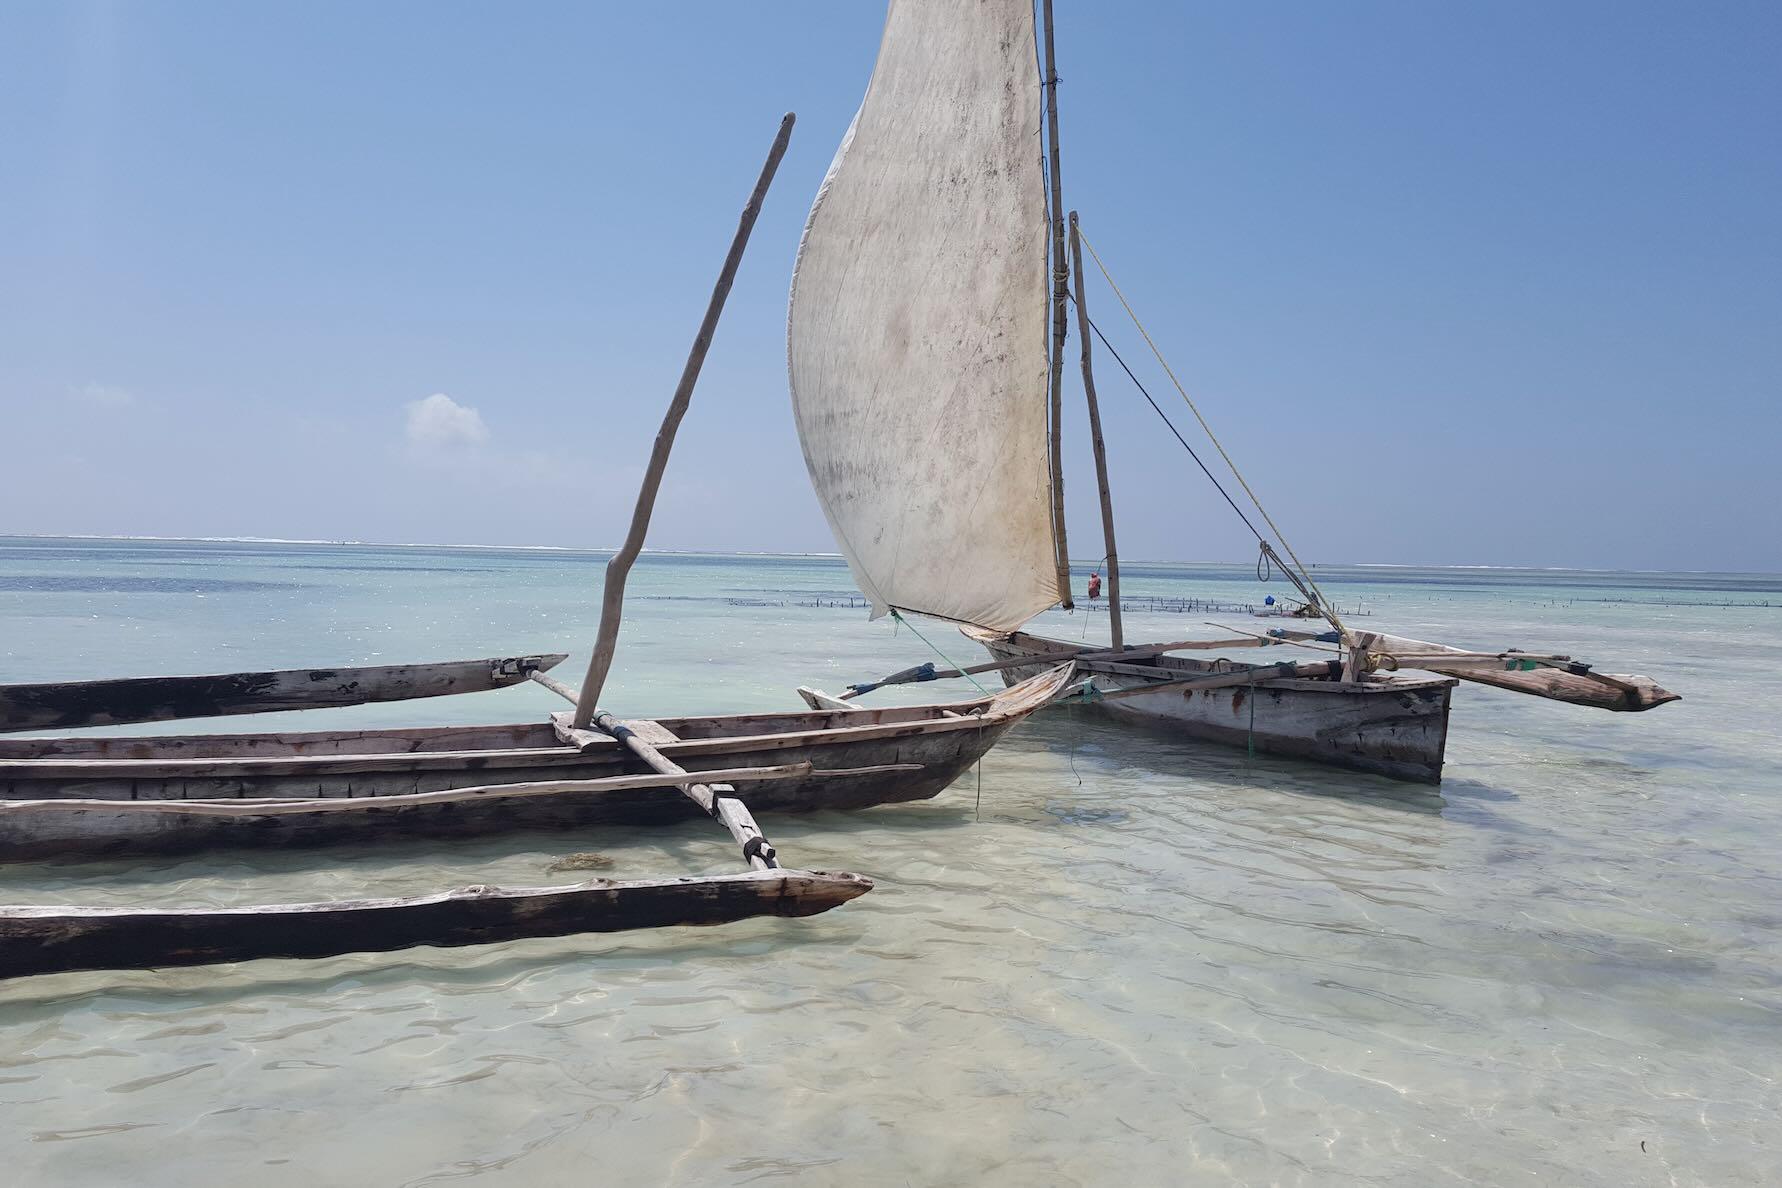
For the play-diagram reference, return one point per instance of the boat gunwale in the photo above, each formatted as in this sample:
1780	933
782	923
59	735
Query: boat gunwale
1166	667
998	709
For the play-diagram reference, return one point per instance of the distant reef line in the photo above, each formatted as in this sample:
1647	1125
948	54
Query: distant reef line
1082	563
398	544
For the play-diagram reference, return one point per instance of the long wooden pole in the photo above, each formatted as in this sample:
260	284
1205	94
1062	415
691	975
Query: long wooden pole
1060	276
718	799
612	603
1142	652
1101	451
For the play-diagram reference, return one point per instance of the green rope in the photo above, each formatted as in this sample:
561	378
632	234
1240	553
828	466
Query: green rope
960	668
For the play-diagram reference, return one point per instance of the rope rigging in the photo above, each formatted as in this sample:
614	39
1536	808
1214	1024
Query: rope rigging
898	618
1266	555
1297	573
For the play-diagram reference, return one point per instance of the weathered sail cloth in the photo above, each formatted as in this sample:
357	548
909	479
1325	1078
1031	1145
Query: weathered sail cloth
916	339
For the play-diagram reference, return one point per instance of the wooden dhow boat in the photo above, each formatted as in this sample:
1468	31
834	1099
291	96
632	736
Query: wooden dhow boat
926	334
86	796
89	796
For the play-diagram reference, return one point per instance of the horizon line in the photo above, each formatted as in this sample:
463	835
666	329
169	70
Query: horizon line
544	548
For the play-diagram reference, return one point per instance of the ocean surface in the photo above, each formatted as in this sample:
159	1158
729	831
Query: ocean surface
1105	958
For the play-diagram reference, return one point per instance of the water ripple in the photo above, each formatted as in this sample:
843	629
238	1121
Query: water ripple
1134	961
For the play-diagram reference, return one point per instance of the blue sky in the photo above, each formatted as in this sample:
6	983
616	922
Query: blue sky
1495	284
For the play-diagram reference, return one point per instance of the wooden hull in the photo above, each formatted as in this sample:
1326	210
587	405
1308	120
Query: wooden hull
52	940
943	741
1393	726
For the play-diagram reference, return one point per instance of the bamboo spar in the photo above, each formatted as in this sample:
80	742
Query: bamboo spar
613	598
1060	275
1095	440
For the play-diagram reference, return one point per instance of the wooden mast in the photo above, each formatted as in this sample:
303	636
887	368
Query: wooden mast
1060	277
1101	453
612	603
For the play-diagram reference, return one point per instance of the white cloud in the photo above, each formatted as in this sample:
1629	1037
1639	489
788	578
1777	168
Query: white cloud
439	423
103	395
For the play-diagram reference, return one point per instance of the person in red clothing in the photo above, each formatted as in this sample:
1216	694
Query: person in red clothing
1094	585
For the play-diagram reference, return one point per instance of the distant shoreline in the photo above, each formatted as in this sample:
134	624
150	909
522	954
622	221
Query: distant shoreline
1084	562
382	544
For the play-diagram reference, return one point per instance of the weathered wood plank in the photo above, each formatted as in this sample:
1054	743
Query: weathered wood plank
819	700
717	798
263	806
1059	653
144	769
39	940
68	705
652	732
1257	676
878	772
283	744
927	719
1393	726
895	755
1576	684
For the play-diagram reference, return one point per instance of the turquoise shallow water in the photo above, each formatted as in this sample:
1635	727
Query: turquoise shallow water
1120	959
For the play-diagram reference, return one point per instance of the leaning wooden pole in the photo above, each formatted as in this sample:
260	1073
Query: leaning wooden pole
1060	277
612	603
1101	451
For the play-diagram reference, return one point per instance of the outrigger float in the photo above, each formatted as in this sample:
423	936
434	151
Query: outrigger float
928	320
86	797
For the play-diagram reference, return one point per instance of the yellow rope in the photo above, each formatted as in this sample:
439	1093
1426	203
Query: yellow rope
1325	606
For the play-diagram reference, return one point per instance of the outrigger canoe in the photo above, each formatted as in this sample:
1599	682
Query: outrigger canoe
63	797
929	314
82	796
75	796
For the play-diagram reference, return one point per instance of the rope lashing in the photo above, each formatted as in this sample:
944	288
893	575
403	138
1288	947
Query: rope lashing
1328	611
759	845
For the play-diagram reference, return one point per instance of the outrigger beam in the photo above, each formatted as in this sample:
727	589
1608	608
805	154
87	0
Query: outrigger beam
1556	678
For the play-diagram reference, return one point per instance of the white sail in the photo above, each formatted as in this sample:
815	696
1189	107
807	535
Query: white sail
917	337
